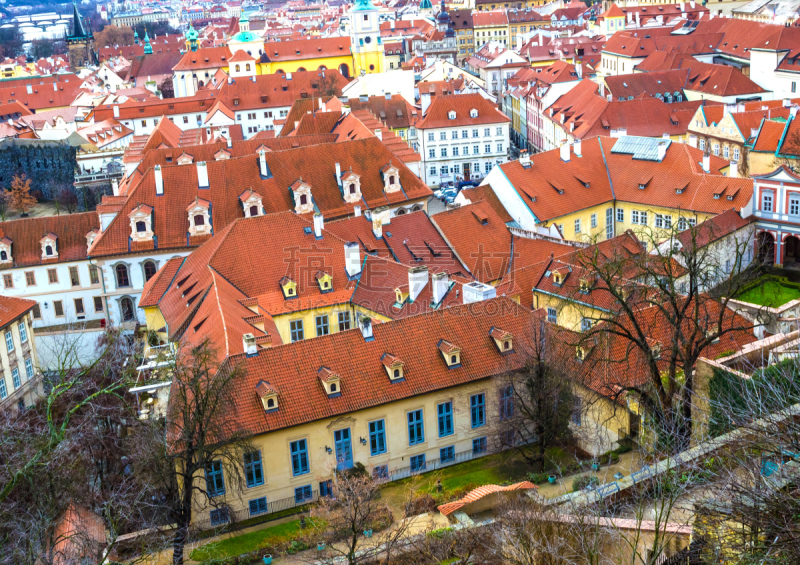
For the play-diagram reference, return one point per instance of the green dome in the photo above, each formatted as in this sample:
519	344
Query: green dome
425	5
245	37
363	5
191	34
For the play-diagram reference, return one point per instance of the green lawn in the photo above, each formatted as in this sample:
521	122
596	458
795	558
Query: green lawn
247	542
771	293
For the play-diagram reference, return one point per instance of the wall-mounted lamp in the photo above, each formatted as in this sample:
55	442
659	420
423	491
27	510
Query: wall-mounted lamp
363	440
328	449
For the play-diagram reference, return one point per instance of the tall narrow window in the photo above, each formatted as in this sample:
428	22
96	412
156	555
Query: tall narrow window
149	270
296	328
98	304
28	368
215	483
477	404
15	378
506	402
416	429
766	202
3	391
122	276
299	450
445	413
377	437
253	470
30	278
94	275
79	307
9	341
322	325
126	309
344	321
73	276
58	306
23	332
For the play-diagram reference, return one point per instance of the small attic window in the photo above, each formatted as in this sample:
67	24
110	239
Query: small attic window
451	354
503	340
393	366
331	382
473	113
289	287
557	278
580	353
584	286
451	115
268	396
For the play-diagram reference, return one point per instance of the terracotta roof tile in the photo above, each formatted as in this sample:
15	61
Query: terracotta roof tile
12	308
71	230
462	104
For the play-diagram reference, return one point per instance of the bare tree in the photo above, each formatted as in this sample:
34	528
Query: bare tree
351	518
201	432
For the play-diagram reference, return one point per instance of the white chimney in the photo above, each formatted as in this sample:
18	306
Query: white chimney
637	19
379	134
230	142
733	170
377	225
417	279
338	174
116	111
321	105
683	6
692	4
202	175
565	151
357	211
55	87
352	259
576	147
29	88
249	344
159	180
262	163
365	323
707	163
662	150
477	291
440	285
319	225
579	69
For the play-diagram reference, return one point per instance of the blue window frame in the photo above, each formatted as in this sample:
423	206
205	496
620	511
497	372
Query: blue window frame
477	404
479	445
219	516
215	482
303	494
445	412
299	457
377	437
418	463
326	488
447	454
258	506
380	472
416	429
253	470
506	402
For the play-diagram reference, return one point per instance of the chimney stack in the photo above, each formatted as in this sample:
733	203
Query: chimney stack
319	225
379	134
262	164
377	225
365	323
707	163
662	150
202	175
159	180
478	291
565	152
357	211
417	279
249	343
733	170
441	285
352	260
229	142
576	147
338	174
116	111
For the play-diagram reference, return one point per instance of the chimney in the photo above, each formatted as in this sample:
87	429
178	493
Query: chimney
230	80
55	87
637	19
249	343
321	105
116	111
477	291
159	180
365	323
525	159
662	150
576	147
338	174
565	151
352	259
29	88
357	211
263	169
683	6
753	132
707	163
440	285
379	134
691	3
230	142
793	111
319	225
388	95
417	279
377	225
579	70
733	170
296	123
202	175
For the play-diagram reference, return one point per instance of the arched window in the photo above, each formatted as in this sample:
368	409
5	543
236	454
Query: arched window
453	359
301	70
391	179
344	70
199	220
3	256
333	387
126	309
149	270
48	250
122	276
397	373
238	68
416	208
254	210
322	68
141	227
352	188
303	199
271	403
247	67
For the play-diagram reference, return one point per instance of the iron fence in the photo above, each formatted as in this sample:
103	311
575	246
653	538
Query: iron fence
225	515
426	467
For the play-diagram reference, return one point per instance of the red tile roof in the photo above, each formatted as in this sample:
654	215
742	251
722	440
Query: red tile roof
713	229
396	112
414	241
71	230
155	288
476	494
311	48
13	308
462	104
205	58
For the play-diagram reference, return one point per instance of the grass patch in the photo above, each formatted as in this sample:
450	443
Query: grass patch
771	292
254	521
246	543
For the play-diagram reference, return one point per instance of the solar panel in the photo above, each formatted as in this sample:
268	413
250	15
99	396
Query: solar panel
643	148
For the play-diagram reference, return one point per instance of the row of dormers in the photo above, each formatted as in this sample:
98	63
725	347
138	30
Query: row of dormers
49	245
289	286
331	381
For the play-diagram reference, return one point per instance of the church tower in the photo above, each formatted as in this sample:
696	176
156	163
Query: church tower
148	49
191	36
80	43
365	39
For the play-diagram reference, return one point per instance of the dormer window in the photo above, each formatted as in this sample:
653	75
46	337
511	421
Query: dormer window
302	197
502	339
331	382
221	155
268	396
5	250
325	281
185	159
394	367
584	286
141	219
391	178
580	353
49	246
451	115
199	213
352	187
251	203
473	113
451	354
289	288
400	297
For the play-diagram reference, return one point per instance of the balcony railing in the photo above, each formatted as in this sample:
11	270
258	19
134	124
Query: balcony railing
228	516
87	178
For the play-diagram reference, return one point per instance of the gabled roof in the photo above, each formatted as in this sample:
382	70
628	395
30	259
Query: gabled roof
71	230
437	113
12	309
